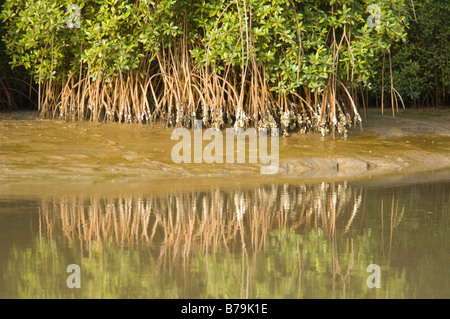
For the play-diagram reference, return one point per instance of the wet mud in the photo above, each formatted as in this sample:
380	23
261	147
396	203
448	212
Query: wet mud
55	153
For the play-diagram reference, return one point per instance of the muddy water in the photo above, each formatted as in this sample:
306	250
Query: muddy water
109	198
270	241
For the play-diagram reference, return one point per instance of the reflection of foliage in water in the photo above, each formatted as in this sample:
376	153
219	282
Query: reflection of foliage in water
278	241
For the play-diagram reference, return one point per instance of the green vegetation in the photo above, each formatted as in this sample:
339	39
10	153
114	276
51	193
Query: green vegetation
295	64
15	89
421	65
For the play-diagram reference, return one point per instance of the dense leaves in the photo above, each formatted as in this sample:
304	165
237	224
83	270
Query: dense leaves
420	64
267	63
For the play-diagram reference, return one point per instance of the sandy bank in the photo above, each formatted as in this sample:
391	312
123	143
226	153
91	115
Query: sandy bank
38	151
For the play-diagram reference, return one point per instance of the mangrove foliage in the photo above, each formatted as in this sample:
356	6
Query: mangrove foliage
294	64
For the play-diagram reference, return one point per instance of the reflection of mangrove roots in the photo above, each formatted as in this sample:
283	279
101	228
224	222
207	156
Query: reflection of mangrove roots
236	219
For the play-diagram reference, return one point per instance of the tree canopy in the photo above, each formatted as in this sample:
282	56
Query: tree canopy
298	64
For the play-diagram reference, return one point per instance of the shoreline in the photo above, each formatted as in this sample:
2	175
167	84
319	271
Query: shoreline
52	154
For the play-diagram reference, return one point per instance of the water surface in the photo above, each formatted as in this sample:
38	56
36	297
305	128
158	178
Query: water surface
270	240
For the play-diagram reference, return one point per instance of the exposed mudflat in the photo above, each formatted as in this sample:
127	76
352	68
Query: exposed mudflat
52	153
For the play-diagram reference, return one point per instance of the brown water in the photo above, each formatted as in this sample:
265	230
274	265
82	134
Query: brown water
109	199
268	241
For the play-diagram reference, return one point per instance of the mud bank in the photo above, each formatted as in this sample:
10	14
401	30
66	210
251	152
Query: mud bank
38	151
